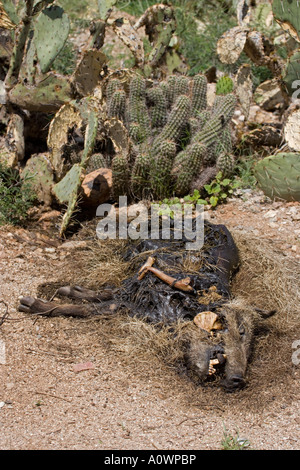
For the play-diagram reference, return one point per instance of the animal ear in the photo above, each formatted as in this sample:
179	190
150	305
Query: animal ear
265	313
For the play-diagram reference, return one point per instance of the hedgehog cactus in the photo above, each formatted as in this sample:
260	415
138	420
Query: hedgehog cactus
163	137
226	163
97	160
187	166
173	132
279	176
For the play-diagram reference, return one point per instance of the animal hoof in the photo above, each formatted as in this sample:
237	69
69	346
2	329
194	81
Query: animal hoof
26	303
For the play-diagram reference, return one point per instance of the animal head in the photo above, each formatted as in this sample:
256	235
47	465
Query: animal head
231	346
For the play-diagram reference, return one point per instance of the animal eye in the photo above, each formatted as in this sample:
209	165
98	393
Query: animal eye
242	330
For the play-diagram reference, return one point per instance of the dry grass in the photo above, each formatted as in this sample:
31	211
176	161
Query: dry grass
103	264
268	278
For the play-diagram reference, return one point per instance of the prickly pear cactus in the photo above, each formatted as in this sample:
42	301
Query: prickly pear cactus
38	168
80	115
279	176
291	73
66	118
287	15
66	192
47	96
87	74
50	34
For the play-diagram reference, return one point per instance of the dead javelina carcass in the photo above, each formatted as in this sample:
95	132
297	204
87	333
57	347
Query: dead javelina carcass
171	285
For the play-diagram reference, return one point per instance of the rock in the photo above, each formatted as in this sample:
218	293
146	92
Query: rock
211	93
83	366
73	245
270	214
291	130
96	187
260	116
50	250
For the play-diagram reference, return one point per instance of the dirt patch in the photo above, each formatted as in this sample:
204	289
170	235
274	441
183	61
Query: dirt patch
138	394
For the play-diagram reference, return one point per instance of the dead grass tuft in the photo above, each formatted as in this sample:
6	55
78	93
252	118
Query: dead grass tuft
268	279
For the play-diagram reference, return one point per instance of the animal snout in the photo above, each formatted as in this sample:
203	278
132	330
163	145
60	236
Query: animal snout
234	382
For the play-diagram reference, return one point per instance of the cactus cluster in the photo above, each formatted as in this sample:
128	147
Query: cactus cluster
174	134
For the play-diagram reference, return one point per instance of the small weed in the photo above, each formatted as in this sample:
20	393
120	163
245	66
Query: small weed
244	171
233	442
168	207
65	62
195	198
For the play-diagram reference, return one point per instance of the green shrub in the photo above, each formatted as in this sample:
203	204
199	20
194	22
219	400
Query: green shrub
16	197
199	27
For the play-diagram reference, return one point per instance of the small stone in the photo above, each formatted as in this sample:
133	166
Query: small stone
83	366
50	250
270	214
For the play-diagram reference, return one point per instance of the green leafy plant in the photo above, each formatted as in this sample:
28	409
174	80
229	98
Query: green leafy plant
168	207
195	198
220	189
16	197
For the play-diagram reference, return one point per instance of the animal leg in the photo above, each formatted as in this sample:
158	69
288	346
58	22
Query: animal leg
78	292
53	309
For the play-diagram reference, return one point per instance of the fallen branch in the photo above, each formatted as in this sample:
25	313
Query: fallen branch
3	318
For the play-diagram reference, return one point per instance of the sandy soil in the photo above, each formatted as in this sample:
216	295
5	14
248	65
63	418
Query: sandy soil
46	404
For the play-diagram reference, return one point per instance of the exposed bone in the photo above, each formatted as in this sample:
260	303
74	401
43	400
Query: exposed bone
149	263
181	284
208	321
